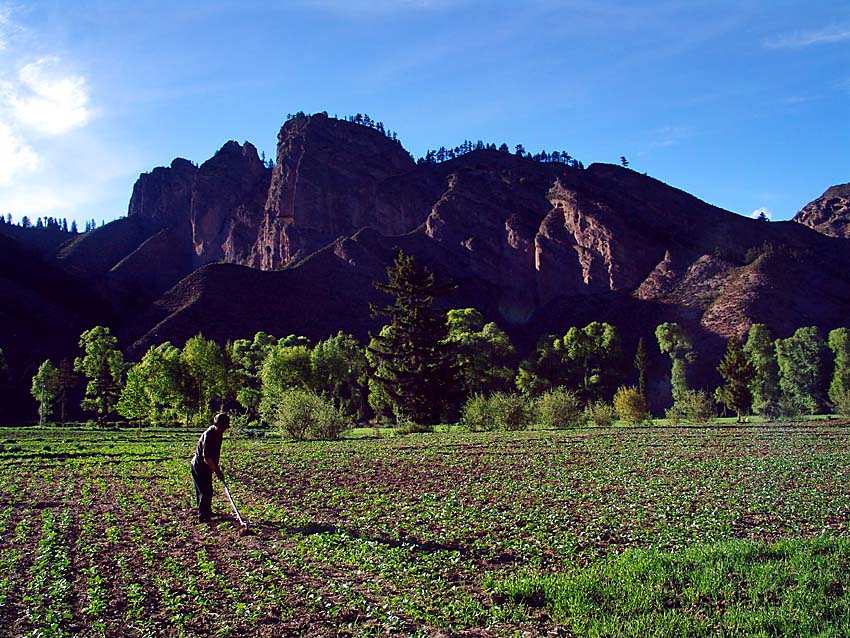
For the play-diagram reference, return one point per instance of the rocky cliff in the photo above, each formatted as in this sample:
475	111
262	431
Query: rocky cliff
830	213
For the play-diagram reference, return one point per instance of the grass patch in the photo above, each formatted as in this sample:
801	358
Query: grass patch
733	588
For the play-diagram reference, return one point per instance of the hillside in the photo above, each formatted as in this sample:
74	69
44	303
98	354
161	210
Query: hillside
233	247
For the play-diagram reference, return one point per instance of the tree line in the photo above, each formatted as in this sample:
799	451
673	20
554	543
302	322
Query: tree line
428	366
50	223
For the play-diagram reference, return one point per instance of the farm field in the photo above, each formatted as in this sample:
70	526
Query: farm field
600	532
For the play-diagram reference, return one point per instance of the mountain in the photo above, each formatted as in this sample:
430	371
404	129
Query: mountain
830	213
232	247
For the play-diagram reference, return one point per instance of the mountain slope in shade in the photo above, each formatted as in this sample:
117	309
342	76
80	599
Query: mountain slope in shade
233	247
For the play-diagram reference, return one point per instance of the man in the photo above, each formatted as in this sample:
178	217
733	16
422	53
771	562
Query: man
205	464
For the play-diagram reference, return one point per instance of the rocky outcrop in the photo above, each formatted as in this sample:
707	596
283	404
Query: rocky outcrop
830	213
325	184
228	198
163	196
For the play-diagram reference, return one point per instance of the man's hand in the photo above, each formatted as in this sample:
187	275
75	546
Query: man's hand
220	475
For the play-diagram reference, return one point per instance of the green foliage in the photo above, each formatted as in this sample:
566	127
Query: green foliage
839	343
302	414
477	414
801	378
416	364
558	408
734	588
339	370
587	359
630	406
600	414
642	365
156	390
45	388
206	378
761	352
507	411
737	373
694	406
484	352
103	366
285	367
246	359
841	401
673	341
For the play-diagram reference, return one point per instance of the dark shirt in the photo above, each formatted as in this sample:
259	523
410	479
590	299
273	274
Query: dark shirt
209	448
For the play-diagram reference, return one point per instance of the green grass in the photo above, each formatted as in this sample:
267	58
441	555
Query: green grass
734	588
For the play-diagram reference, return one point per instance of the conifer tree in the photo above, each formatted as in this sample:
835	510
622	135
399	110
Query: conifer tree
416	368
737	373
642	365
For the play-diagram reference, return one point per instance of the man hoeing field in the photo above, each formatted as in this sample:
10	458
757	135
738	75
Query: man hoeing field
205	464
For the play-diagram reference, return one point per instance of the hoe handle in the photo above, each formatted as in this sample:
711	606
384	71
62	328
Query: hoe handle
233	505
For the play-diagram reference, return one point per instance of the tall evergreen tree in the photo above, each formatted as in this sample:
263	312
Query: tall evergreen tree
642	365
761	352
737	373
839	343
103	365
417	367
67	381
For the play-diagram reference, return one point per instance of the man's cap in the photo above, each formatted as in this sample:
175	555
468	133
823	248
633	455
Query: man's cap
221	420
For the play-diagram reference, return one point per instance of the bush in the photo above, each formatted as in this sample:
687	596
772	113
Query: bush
600	413
511	411
841	402
477	414
499	411
630	406
694	406
408	426
558	408
301	414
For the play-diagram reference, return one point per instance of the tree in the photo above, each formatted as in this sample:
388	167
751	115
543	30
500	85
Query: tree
737	373
339	369
592	357
642	366
247	358
800	360
417	368
761	352
103	365
673	341
205	369
66	381
483	352
285	367
544	368
157	388
623	161
839	343
44	389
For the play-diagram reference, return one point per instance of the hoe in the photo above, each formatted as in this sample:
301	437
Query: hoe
244	526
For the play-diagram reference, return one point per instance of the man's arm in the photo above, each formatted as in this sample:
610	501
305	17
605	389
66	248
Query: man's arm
213	465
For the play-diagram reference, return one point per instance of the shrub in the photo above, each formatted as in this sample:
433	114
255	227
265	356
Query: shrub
694	406
630	406
841	401
511	411
477	414
558	408
600	413
300	414
409	426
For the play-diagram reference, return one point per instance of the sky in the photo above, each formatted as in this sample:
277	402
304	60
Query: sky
744	104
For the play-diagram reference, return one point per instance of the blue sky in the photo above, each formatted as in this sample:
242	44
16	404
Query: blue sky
744	104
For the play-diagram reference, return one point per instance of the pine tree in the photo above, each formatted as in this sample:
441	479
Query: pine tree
642	365
738	373
417	367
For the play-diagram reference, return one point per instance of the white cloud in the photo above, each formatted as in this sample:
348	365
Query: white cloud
47	101
16	156
759	211
803	39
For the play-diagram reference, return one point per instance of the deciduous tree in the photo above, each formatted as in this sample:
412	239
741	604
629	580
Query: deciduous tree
801	378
